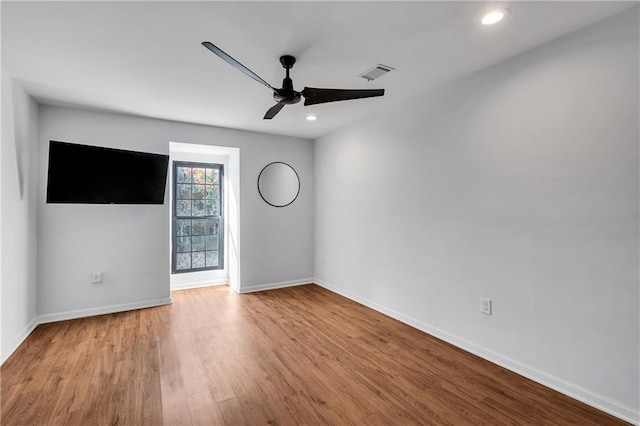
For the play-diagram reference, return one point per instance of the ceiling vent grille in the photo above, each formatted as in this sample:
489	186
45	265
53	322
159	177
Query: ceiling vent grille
376	72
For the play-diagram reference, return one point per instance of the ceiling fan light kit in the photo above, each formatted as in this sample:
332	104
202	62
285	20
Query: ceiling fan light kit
287	95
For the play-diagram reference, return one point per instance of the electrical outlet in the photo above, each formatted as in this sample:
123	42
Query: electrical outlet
96	278
485	305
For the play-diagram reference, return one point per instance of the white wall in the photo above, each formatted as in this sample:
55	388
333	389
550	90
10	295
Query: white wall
518	183
19	214
131	243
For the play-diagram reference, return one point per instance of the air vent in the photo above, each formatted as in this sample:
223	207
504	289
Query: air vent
376	72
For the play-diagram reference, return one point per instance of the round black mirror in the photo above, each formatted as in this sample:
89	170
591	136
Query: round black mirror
278	184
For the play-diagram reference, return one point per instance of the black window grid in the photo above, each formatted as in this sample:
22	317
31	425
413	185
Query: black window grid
204	232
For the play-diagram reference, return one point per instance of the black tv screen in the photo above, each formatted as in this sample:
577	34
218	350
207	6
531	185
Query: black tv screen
95	175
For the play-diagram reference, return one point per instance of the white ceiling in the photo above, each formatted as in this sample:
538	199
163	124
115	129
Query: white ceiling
145	58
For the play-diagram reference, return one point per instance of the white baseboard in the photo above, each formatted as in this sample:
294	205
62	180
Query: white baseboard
102	310
272	286
6	352
199	284
587	396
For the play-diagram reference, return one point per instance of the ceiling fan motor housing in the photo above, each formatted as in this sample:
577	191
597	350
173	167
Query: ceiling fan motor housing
285	97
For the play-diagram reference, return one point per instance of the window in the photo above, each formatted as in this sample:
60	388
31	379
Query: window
198	240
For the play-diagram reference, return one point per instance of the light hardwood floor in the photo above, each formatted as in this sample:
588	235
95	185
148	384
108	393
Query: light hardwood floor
301	355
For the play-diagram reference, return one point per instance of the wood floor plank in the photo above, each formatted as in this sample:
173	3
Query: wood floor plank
203	410
294	356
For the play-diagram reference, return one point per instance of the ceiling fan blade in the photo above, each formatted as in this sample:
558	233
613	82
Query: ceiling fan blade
313	96
273	111
228	59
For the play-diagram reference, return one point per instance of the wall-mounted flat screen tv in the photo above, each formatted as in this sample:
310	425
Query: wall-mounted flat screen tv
85	174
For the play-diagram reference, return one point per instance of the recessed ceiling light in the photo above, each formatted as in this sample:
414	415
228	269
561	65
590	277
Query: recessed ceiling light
311	117
495	16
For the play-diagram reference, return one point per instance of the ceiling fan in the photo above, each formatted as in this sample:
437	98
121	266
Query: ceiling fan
287	95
